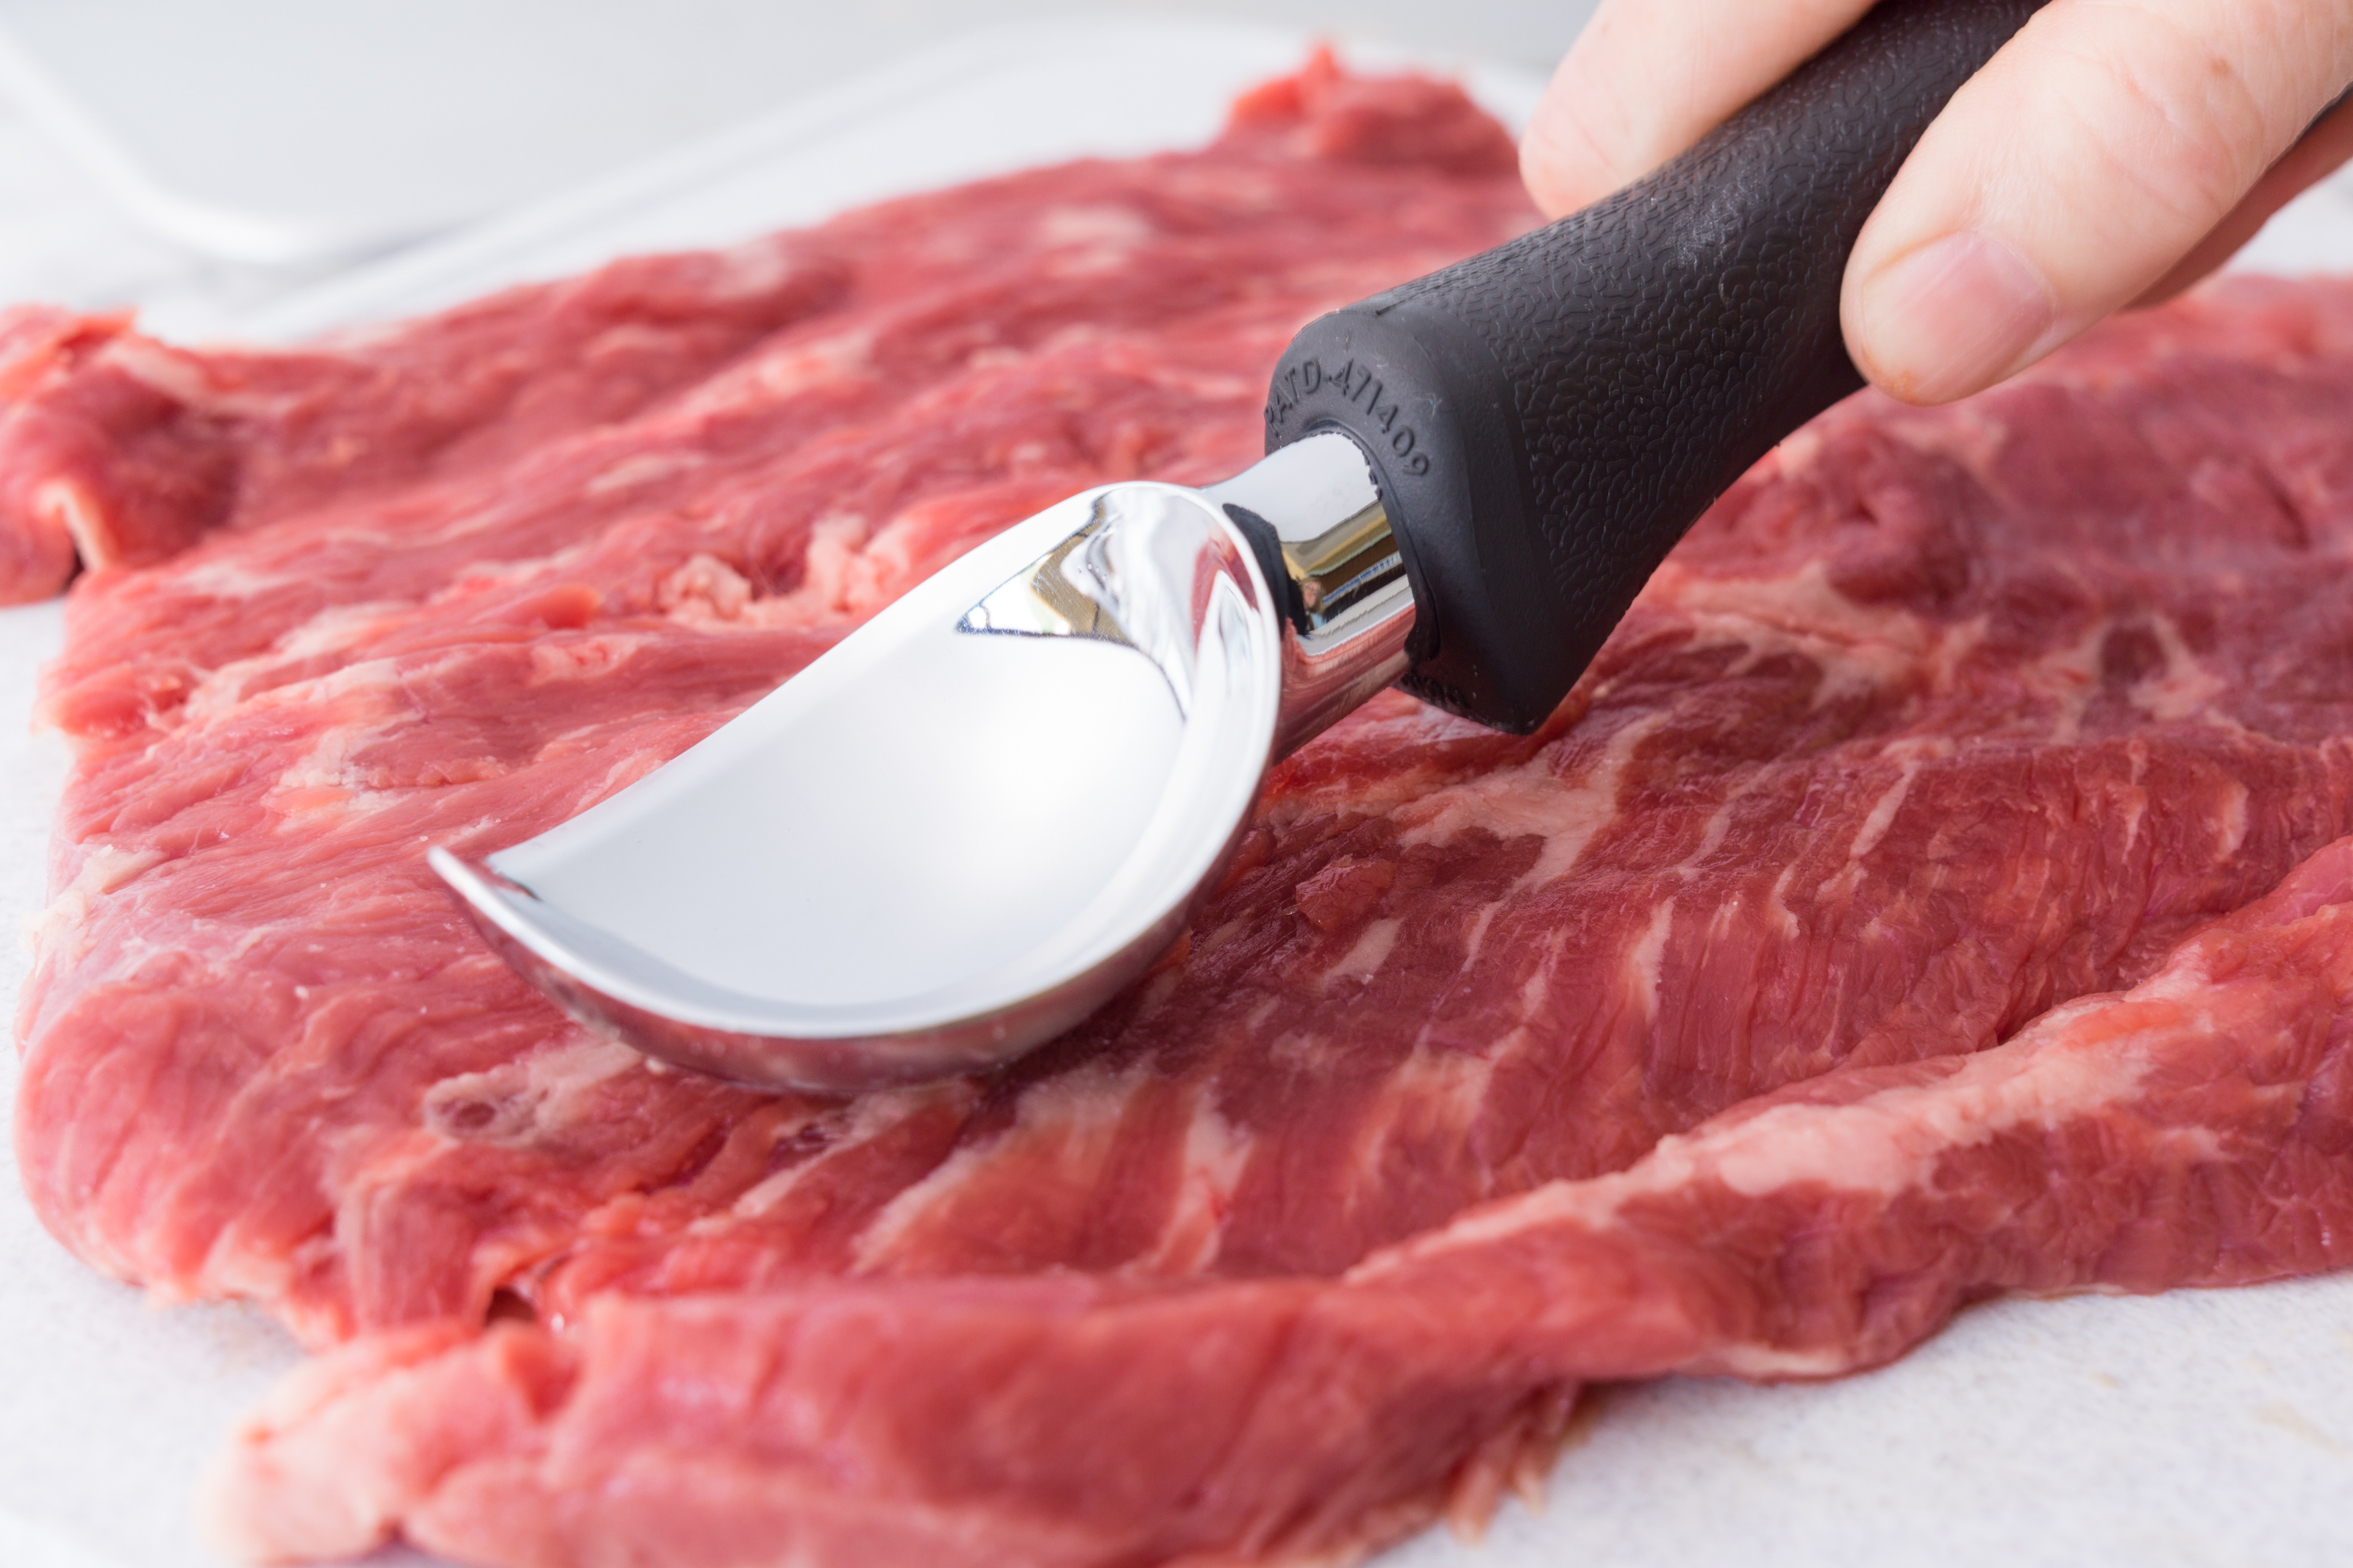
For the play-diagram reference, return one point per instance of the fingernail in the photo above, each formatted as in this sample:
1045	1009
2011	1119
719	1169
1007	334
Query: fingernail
1953	316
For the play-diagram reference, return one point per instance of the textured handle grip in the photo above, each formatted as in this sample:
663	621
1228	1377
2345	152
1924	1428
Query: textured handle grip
1549	417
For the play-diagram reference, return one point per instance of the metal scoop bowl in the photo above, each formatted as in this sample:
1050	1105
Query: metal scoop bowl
968	826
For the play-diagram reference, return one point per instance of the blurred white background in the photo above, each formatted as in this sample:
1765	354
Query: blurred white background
213	154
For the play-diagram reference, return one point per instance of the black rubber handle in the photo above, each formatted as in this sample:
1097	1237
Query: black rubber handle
1547	418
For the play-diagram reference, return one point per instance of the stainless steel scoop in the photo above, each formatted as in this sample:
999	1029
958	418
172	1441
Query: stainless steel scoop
959	831
977	819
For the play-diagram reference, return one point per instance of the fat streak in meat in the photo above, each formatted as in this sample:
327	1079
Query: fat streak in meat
2194	1130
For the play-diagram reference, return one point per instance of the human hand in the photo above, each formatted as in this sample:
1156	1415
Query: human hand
2112	152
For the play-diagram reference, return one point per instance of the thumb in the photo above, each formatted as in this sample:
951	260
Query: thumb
2074	172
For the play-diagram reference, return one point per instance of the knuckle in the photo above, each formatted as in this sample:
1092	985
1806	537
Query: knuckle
2174	120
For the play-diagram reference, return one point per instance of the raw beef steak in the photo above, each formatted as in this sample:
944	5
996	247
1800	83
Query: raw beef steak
1934	889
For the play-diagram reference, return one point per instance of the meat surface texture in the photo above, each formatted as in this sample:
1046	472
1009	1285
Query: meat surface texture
1939	887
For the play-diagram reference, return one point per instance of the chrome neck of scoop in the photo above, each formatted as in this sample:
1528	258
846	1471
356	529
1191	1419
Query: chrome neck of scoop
1344	598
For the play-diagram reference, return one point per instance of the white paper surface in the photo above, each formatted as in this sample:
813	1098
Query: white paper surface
2193	1428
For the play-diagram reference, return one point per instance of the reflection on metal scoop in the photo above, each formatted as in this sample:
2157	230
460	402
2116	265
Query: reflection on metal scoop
968	826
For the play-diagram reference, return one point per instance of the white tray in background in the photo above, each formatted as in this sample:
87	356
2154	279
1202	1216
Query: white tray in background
2200	1427
990	102
301	131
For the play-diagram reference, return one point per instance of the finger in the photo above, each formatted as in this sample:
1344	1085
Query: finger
1647	78
2316	156
2074	172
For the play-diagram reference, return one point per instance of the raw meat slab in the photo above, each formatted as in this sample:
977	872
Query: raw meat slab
1341	890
